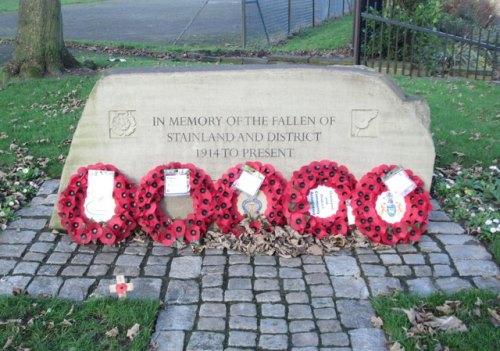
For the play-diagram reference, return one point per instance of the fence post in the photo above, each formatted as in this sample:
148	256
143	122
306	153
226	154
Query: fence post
356	40
243	24
289	17
314	13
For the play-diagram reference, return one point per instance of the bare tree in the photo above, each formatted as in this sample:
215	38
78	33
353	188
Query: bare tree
40	48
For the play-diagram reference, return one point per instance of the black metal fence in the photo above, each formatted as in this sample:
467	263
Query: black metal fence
264	22
389	40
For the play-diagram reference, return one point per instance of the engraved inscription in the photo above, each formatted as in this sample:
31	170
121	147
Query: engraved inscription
228	136
122	123
364	123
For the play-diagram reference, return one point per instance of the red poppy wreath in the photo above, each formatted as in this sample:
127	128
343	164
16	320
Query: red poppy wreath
316	196
232	206
387	217
83	215
156	222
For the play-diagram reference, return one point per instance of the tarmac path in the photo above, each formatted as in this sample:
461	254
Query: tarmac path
159	22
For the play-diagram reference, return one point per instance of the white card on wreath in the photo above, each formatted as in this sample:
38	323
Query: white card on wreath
176	182
323	201
99	203
249	181
351	220
398	181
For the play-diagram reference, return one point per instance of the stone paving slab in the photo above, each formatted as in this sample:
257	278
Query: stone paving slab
228	301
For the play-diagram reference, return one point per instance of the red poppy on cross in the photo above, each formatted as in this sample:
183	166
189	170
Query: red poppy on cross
121	287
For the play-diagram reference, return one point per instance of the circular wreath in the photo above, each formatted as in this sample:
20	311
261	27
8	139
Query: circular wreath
386	217
156	222
84	230
226	197
331	180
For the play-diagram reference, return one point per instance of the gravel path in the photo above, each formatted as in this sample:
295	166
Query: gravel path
228	301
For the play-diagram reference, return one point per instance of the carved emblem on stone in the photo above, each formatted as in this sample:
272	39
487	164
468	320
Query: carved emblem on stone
122	124
364	123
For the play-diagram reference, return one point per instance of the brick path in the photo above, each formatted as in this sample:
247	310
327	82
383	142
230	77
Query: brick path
228	301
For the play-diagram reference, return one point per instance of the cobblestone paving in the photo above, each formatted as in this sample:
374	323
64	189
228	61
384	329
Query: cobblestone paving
228	301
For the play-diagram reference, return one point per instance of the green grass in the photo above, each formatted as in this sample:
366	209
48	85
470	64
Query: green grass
481	335
213	49
13	5
32	111
495	247
464	118
331	35
47	324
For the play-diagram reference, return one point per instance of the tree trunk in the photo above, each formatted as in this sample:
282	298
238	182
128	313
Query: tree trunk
40	46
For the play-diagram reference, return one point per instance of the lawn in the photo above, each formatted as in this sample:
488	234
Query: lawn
41	114
465	120
331	35
13	5
482	335
54	324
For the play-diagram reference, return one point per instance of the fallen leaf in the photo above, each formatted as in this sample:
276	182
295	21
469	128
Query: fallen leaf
8	343
458	154
18	292
449	307
66	322
70	310
113	333
377	322
315	250
132	332
425	322
449	324
495	317
397	347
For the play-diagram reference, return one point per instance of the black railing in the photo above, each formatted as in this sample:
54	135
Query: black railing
391	41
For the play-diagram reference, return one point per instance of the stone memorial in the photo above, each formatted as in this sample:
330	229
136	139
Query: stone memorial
217	117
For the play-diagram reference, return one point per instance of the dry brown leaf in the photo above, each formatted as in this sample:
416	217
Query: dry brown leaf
132	332
377	322
397	347
67	322
495	317
315	250
449	324
18	292
11	321
71	310
8	343
424	322
449	307
113	333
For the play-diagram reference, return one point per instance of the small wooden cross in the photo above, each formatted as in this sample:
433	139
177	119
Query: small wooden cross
121	287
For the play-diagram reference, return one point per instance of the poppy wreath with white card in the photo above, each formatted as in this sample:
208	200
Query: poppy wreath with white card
155	186
98	205
315	199
390	217
233	205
